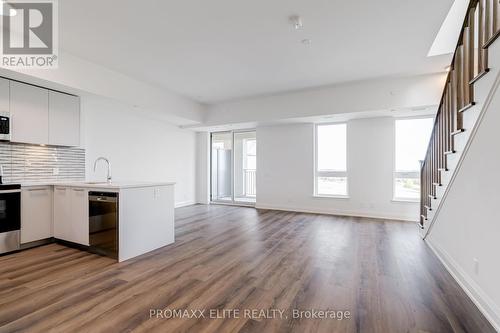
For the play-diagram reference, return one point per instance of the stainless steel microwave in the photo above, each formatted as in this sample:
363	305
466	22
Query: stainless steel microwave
5	127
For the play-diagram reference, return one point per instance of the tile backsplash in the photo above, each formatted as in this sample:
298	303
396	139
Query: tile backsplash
25	163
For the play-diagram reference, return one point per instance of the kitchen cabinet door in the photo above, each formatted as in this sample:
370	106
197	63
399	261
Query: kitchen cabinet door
64	119
71	214
29	110
4	95
79	216
36	214
62	213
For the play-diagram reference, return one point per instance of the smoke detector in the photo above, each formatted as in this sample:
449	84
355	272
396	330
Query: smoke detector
296	21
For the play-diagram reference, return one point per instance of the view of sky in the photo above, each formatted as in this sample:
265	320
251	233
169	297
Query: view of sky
332	145
412	139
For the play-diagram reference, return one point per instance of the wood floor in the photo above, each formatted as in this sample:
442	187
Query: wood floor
242	259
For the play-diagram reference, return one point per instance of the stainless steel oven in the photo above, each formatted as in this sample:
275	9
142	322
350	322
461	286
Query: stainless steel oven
5	127
10	217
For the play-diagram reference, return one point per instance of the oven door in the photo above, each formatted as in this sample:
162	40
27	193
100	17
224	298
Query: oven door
10	220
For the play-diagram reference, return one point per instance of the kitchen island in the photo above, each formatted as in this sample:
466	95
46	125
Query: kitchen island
145	213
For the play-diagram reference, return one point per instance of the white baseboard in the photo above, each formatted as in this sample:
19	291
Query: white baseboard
184	203
336	212
484	303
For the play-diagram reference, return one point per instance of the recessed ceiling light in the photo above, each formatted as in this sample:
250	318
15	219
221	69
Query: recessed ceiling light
306	41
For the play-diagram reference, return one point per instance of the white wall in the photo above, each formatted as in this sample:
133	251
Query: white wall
139	147
202	167
285	164
467	226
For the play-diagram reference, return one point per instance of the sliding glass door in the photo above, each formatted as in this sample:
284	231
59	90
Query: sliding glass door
234	167
222	156
245	166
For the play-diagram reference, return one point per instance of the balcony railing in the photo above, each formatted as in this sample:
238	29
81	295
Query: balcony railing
470	62
250	182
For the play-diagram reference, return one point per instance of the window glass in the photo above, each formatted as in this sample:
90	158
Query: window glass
412	139
332	147
331	160
332	185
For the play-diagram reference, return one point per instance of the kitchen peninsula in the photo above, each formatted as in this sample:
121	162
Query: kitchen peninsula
144	215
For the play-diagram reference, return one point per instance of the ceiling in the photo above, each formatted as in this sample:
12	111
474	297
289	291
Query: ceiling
219	50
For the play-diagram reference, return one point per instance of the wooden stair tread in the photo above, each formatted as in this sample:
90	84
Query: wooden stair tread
467	107
458	131
491	40
480	75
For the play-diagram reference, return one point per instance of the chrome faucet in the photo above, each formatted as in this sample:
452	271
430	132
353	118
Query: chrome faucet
108	178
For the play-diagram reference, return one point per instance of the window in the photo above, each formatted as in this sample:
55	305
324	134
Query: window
250	147
233	167
250	167
412	139
330	177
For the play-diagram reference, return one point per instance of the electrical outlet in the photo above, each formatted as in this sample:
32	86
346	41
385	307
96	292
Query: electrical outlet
55	171
476	266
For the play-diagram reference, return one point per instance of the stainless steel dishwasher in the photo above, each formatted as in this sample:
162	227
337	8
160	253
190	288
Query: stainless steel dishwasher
103	223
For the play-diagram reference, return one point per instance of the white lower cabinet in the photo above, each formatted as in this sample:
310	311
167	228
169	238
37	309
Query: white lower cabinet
79	215
62	212
36	213
71	214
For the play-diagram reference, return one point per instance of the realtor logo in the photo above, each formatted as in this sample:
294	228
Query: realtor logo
29	34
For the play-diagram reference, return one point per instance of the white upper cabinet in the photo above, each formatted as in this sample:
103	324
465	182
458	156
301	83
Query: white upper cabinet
29	110
4	95
39	115
64	119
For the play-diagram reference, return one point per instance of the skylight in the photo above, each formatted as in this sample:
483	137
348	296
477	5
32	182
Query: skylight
447	37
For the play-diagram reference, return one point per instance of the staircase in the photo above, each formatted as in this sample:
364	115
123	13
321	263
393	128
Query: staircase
470	83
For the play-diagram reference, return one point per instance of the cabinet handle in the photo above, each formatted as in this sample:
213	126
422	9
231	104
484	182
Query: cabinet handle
78	189
61	188
37	189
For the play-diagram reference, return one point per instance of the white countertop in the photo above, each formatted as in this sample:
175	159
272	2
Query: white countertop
84	184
